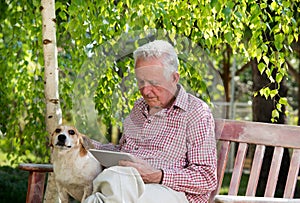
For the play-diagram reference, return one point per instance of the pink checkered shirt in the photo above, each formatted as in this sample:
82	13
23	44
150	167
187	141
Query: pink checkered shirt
179	140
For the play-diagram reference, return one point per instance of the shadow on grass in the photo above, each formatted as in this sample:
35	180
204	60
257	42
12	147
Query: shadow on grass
243	186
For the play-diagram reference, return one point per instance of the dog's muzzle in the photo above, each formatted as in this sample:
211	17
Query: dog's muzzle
61	140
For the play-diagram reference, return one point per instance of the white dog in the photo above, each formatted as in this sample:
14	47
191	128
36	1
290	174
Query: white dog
74	166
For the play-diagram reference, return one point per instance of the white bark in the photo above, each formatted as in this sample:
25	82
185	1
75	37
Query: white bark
53	110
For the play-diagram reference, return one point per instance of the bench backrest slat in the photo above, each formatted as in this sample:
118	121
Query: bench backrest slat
256	166
274	172
292	175
222	160
238	169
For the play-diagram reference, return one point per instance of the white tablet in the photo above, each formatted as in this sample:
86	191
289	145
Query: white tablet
110	158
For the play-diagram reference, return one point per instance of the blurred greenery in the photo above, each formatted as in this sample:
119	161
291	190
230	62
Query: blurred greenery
13	185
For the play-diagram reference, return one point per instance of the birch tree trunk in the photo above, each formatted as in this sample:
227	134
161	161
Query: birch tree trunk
53	110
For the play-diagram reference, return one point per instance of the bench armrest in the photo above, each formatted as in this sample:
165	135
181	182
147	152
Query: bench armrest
36	180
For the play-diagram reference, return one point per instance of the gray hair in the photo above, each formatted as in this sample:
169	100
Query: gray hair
159	49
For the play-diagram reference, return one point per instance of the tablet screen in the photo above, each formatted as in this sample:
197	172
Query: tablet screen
110	158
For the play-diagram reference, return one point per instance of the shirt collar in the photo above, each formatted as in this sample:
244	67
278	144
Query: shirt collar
181	99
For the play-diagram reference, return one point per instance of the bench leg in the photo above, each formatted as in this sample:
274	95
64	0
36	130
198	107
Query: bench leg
35	191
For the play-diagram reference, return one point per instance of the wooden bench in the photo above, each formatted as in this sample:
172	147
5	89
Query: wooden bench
261	135
227	132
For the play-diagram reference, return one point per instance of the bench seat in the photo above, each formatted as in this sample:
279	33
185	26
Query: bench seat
248	199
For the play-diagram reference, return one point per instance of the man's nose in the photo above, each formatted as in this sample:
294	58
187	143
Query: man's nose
146	89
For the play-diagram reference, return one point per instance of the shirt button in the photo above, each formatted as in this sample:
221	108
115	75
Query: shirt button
149	121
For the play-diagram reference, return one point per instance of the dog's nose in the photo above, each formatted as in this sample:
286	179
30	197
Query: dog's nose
61	138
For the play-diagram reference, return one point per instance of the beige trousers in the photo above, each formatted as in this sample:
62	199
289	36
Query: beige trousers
124	185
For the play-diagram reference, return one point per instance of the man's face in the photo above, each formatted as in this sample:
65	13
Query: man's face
156	89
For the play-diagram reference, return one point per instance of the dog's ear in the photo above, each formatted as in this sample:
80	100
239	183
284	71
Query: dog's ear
85	142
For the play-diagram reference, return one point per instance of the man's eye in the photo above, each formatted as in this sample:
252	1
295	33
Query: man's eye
71	132
140	82
153	83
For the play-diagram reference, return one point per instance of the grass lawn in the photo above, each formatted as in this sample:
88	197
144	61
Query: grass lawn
226	182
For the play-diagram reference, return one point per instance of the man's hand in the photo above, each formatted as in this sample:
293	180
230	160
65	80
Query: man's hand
147	172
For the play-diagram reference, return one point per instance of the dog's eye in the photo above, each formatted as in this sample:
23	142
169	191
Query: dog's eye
57	130
71	132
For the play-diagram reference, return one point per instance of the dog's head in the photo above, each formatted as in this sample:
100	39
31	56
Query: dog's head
67	138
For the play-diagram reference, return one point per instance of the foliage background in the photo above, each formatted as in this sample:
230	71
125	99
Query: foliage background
85	27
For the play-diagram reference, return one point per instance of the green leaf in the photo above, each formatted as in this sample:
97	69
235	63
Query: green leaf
265	92
283	101
258	53
275	113
266	59
265	48
290	38
278	107
273	5
226	11
228	36
263	5
273	93
279	77
268	72
279	38
261	67
273	120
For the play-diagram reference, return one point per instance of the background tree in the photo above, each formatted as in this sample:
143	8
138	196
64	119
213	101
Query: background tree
53	111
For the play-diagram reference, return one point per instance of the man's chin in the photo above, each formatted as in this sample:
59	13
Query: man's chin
154	106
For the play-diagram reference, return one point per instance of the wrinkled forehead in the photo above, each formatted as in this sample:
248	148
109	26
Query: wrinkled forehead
150	72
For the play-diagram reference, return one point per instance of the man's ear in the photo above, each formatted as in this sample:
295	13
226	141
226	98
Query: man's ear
175	77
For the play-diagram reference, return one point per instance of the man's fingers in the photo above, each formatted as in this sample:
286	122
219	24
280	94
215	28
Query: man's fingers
125	163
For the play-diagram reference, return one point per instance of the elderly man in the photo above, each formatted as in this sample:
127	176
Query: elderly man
171	133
